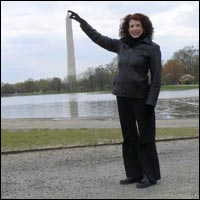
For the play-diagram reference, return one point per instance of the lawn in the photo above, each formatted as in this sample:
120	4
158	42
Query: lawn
45	138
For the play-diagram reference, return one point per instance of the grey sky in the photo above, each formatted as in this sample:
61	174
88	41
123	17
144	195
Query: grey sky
33	34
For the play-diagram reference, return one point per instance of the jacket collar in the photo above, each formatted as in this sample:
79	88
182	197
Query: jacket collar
147	40
143	40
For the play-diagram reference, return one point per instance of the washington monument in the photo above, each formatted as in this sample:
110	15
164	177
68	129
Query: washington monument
70	54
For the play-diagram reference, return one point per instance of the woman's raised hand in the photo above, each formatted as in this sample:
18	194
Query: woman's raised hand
74	16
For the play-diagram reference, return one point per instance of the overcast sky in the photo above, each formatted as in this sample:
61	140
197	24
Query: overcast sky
33	33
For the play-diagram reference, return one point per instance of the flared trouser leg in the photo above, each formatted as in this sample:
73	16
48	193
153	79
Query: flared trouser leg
138	131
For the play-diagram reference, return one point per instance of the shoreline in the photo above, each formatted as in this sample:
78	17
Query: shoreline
79	123
163	88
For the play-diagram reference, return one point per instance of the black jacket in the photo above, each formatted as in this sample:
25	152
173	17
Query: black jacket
133	66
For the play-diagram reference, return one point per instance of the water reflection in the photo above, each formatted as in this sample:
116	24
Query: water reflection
177	108
98	109
73	107
87	105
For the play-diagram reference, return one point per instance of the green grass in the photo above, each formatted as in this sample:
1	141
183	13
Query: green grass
167	88
41	138
178	87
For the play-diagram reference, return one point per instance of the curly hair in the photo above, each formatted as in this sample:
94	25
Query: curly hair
146	24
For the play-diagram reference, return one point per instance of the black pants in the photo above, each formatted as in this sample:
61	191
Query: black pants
138	131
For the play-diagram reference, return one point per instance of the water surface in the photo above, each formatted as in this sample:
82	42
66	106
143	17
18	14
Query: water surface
173	104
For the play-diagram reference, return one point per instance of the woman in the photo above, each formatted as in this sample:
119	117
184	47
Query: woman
136	86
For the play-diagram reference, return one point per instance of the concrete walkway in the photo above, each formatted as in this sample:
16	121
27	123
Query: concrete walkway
60	123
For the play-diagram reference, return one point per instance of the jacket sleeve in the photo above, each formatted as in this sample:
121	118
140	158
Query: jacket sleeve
155	70
103	41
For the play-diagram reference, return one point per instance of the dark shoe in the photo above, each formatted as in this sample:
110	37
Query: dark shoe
129	181
145	182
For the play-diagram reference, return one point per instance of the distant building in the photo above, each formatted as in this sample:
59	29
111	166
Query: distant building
70	51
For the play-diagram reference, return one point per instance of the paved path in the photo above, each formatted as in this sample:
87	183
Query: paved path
86	123
94	173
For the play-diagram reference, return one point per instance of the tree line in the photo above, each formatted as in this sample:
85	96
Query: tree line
182	68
